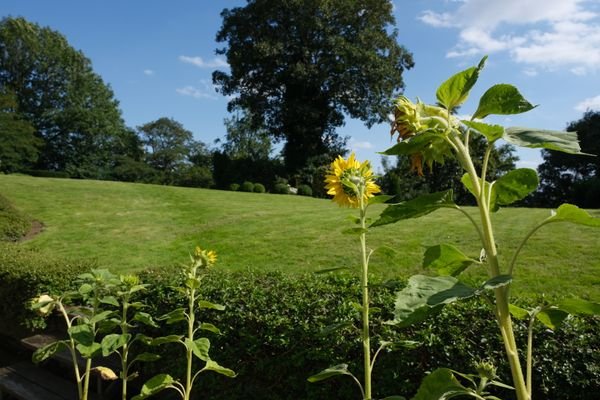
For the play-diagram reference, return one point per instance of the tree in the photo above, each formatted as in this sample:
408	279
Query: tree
573	178
244	140
300	66
19	148
72	110
167	145
407	184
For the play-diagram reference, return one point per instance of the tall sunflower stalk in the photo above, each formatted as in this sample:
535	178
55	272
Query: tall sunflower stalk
351	183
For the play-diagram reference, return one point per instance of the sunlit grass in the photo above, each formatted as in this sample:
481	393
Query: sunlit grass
132	226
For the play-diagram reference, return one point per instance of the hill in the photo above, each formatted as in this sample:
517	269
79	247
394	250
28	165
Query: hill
128	227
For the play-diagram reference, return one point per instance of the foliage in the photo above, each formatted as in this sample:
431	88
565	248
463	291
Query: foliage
245	141
72	110
399	181
227	170
26	273
304	190
258	188
281	188
429	134
19	147
234	187
299	66
573	178
14	224
284	322
247	186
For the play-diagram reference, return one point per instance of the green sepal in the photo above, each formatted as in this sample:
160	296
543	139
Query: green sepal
336	370
415	208
446	260
502	99
455	90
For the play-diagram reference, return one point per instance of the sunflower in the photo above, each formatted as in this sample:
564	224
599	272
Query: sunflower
206	258
347	179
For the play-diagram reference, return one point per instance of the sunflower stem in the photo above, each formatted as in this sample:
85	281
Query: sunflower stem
365	296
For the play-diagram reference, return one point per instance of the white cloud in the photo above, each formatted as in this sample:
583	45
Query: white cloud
361	145
199	62
205	91
148	72
547	34
530	72
592	103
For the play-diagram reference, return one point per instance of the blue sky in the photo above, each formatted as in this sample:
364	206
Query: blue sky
158	56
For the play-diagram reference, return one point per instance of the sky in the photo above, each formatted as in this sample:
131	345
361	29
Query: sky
158	57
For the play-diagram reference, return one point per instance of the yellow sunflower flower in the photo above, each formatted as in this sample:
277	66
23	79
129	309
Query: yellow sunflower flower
347	179
205	258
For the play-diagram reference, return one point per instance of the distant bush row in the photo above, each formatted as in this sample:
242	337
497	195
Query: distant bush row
278	188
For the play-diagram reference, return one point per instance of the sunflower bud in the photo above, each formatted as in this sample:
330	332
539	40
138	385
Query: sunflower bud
486	369
204	258
44	305
105	373
406	119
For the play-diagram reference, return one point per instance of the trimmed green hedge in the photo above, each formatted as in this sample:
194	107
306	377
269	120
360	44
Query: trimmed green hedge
274	338
24	274
14	224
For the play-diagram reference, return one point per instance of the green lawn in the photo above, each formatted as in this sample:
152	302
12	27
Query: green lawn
132	226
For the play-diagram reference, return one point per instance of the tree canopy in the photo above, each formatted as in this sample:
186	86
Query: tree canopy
71	109
300	66
573	178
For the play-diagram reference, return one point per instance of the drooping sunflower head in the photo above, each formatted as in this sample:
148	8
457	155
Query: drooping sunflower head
204	258
347	179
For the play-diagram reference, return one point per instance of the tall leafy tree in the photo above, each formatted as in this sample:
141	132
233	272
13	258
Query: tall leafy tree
72	110
301	66
573	178
245	140
19	148
169	147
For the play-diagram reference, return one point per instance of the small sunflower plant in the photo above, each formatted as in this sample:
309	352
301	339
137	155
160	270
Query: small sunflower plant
201	261
430	134
352	184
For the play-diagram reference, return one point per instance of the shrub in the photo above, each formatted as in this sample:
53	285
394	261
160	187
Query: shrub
234	187
275	334
304	190
281	188
14	224
247	186
24	275
259	188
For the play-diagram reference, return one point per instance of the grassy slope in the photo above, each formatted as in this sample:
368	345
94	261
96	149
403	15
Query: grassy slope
131	226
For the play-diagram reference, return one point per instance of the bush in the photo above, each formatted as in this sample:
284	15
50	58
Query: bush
281	188
26	274
275	336
40	173
304	190
234	187
14	224
259	188
247	187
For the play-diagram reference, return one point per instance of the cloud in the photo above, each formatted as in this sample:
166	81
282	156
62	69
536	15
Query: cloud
547	34
205	91
148	72
355	144
592	103
200	63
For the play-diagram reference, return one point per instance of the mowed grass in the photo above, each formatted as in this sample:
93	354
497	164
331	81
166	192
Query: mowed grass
128	227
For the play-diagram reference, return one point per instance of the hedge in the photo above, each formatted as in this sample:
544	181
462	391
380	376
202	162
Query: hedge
274	336
14	224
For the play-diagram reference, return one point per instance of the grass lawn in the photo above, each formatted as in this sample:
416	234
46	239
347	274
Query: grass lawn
132	226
